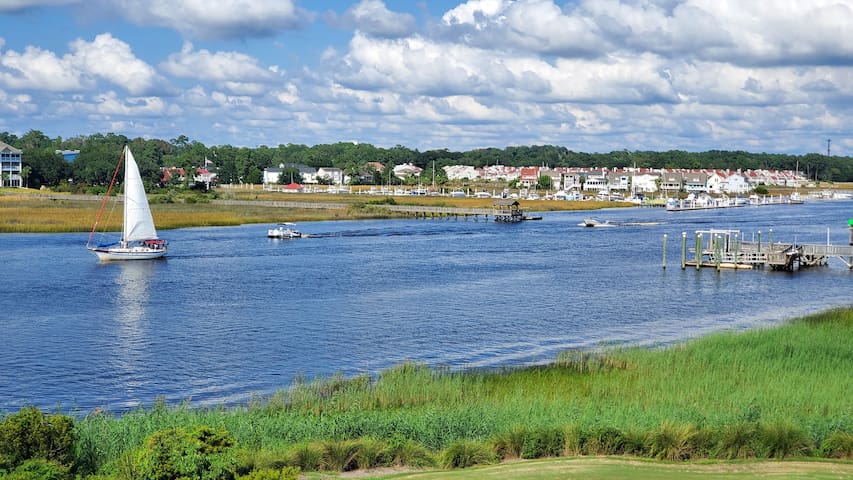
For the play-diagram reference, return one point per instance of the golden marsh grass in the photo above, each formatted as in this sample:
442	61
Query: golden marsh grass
22	211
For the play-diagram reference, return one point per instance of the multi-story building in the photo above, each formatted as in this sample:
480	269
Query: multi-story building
11	164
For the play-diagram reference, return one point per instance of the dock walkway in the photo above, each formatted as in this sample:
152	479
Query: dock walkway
724	249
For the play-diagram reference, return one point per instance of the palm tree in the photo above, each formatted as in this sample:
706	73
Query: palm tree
25	172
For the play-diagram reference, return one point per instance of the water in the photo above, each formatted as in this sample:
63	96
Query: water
231	314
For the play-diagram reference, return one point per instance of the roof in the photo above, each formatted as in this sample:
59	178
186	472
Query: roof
5	147
505	203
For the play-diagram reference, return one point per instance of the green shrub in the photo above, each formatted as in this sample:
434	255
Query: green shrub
339	455
412	454
467	453
635	442
371	453
543	442
780	440
510	444
602	441
39	469
176	454
838	445
736	441
672	441
30	434
307	456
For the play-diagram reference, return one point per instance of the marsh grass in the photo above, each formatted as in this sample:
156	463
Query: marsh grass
776	392
25	212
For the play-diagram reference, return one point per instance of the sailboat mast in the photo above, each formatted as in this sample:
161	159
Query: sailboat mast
106	197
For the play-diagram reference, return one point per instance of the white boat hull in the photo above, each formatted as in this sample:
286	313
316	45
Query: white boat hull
127	253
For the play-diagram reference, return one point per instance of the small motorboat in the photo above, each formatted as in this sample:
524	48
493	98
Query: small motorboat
284	230
591	222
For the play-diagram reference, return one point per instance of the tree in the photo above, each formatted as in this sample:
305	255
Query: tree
25	173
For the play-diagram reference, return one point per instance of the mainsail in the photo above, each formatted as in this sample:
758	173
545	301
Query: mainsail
138	222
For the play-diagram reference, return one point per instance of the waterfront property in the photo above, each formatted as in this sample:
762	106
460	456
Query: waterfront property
11	166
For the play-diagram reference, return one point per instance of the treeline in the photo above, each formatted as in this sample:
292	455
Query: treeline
99	153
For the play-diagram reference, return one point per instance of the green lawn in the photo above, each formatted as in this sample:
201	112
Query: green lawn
601	468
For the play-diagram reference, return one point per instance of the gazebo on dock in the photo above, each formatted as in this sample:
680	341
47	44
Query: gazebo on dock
508	211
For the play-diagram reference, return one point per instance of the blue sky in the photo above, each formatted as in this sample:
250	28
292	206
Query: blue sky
590	75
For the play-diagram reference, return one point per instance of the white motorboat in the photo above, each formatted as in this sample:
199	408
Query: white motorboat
284	230
591	222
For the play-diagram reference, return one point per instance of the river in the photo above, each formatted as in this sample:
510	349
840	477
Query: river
230	314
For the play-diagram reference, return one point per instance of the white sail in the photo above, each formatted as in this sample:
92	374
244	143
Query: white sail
138	222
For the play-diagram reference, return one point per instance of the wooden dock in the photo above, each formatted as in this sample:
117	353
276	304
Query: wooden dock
506	211
725	249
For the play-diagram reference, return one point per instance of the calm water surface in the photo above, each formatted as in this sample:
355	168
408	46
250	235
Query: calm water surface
230	313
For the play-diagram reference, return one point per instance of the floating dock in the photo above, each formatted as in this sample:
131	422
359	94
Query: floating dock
720	249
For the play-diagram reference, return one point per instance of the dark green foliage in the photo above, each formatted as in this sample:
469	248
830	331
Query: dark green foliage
467	453
177	454
780	440
410	453
30	434
543	442
602	440
308	457
339	455
736	441
39	469
510	444
672	441
838	445
371	453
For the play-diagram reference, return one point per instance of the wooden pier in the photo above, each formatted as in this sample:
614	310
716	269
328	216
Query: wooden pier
726	249
504	211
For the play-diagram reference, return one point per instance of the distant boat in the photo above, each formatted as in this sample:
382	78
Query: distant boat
591	222
457	194
139	239
284	230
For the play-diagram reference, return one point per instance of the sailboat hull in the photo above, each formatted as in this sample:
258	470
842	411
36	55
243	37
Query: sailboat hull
106	254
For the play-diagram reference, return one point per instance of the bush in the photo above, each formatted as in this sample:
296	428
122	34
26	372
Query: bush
543	442
175	453
602	441
736	441
372	453
410	453
467	453
339	455
780	440
39	469
672	441
838	445
30	434
511	443
308	457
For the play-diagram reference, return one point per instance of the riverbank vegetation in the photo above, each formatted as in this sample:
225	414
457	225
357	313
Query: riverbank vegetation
25	211
769	393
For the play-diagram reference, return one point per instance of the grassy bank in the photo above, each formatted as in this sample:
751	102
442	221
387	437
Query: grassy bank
772	393
27	212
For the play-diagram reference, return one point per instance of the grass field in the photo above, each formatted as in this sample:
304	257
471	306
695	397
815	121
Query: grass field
601	468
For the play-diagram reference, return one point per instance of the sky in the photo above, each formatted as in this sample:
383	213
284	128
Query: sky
590	75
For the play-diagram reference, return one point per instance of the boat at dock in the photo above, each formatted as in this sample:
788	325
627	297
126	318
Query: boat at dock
284	230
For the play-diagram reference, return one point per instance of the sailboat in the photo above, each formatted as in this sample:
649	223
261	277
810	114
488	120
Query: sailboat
139	239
